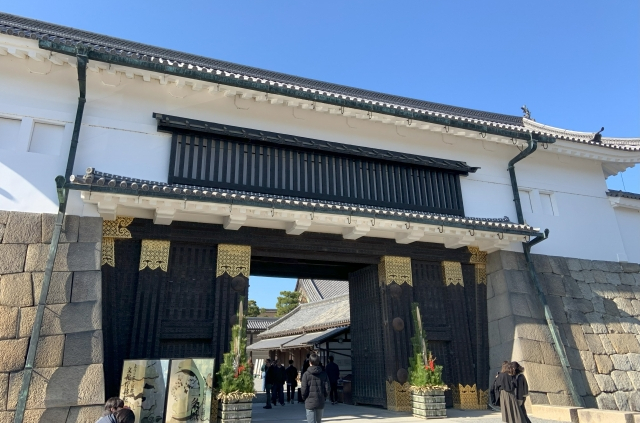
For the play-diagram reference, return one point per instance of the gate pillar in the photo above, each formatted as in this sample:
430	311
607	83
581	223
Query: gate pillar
233	267
396	289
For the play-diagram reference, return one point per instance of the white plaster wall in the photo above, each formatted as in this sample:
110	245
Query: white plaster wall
629	226
119	136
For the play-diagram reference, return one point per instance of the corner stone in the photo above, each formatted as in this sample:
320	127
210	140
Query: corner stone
90	229
12	258
50	350
83	348
69	228
59	287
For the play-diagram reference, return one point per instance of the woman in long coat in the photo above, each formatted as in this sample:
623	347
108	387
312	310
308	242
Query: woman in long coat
512	398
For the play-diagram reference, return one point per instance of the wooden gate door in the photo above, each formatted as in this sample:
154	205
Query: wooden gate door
178	313
367	347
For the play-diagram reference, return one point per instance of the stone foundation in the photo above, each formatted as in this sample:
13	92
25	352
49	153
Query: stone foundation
596	306
68	381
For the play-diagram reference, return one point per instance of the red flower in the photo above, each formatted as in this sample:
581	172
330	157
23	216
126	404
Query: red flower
432	364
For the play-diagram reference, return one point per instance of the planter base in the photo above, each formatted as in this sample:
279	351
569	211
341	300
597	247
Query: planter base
235	412
428	405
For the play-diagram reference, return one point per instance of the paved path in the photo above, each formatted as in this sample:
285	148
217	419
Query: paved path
355	414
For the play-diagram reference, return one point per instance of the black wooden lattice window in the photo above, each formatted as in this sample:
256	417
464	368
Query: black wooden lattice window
218	162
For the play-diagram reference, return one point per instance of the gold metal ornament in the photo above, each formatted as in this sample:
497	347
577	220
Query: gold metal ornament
452	273
398	396
108	252
234	260
117	228
468	397
154	253
395	269
477	256
481	274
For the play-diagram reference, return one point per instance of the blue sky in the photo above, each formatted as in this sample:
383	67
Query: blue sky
575	64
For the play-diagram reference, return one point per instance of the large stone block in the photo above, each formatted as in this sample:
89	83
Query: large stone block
627	291
610	307
577	304
50	350
90	229
69	231
87	286
498	282
59	287
603	364
12	258
507	327
634	360
622	381
586	264
541	263
630	325
527	350
494	334
624	343
613	278
606	401
8	322
559	265
83	348
606	343
552	284
571	287
622	400
595	343
520	304
625	308
561	399
535	330
4	390
588	362
60	387
557	308
585	289
630	267
615	266
634	401
545	378
555	413
518	281
494	262
42	415
77	256
500	353
498	307
591	385
23	228
634	377
621	362
63	318
13	353
15	290
87	414
549	354
606	383
599	276
627	279
573	264
4	217
600	265
575	336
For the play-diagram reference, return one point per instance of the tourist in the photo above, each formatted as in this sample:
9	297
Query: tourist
494	395
305	365
125	415
315	389
269	379
263	369
112	405
521	387
512	412
278	388
292	381
333	372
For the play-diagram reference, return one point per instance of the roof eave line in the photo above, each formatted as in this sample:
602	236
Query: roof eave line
289	92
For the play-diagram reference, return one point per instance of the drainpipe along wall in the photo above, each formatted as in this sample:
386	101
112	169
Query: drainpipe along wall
555	334
63	194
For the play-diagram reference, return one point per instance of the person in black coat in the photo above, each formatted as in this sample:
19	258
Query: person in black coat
292	381
269	379
305	365
277	394
333	372
315	389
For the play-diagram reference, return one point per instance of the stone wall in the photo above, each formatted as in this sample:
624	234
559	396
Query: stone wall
596	306
68	381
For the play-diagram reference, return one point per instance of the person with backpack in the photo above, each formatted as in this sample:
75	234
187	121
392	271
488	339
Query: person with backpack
315	389
292	381
333	372
112	405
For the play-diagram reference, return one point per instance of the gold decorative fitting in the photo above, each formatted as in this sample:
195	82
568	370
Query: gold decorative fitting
477	256
117	228
468	397
481	274
452	273
395	269
234	260
398	396
154	254
108	251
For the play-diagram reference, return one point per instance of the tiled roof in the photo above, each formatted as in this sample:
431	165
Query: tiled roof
259	323
623	194
98	181
321	289
310	317
31	28
261	79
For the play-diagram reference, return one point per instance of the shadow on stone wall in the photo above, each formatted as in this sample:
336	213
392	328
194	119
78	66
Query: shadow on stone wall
596	306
